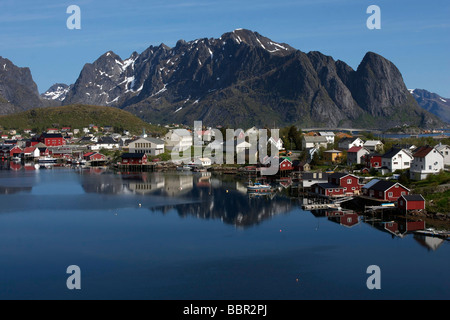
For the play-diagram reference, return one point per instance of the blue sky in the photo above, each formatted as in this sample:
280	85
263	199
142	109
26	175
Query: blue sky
414	34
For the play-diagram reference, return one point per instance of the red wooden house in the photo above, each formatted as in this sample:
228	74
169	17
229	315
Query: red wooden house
348	182
387	190
286	164
52	139
372	160
15	152
94	156
134	158
411	202
327	190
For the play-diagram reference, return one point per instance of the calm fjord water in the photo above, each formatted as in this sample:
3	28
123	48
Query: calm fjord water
195	236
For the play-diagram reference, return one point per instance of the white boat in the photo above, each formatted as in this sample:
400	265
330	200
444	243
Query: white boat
258	187
47	160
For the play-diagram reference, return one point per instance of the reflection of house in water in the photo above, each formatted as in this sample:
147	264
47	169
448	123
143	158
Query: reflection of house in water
431	243
398	227
101	182
147	183
178	184
345	218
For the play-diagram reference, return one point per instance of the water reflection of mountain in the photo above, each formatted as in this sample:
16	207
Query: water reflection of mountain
227	200
232	207
156	183
207	196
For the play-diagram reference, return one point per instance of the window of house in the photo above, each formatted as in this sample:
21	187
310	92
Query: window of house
349	181
390	194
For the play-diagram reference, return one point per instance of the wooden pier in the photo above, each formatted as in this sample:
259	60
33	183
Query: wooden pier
135	167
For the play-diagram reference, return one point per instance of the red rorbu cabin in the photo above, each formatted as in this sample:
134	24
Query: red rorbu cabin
134	158
411	202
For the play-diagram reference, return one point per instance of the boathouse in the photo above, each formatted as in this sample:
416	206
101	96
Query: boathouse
134	158
411	202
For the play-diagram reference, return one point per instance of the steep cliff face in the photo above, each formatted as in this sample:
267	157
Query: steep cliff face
18	91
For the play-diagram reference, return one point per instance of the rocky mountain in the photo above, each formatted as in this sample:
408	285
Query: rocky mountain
241	79
433	103
18	91
57	92
246	79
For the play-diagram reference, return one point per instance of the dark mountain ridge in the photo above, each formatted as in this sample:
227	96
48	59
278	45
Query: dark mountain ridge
244	79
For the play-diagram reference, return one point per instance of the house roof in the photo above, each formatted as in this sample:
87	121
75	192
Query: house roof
89	154
392	152
422	151
29	149
370	183
348	139
441	147
107	140
133	155
413	197
354	149
317	139
52	135
384	185
372	142
340	175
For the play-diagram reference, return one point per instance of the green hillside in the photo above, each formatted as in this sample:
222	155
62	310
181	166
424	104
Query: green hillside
77	117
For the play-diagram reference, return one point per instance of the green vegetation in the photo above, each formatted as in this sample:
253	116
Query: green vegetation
438	202
418	142
436	191
292	138
77	117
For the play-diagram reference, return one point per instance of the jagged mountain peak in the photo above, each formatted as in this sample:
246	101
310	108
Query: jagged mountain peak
56	92
244	77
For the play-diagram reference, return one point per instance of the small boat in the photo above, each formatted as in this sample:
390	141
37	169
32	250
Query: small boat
388	205
258	187
184	168
47	160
